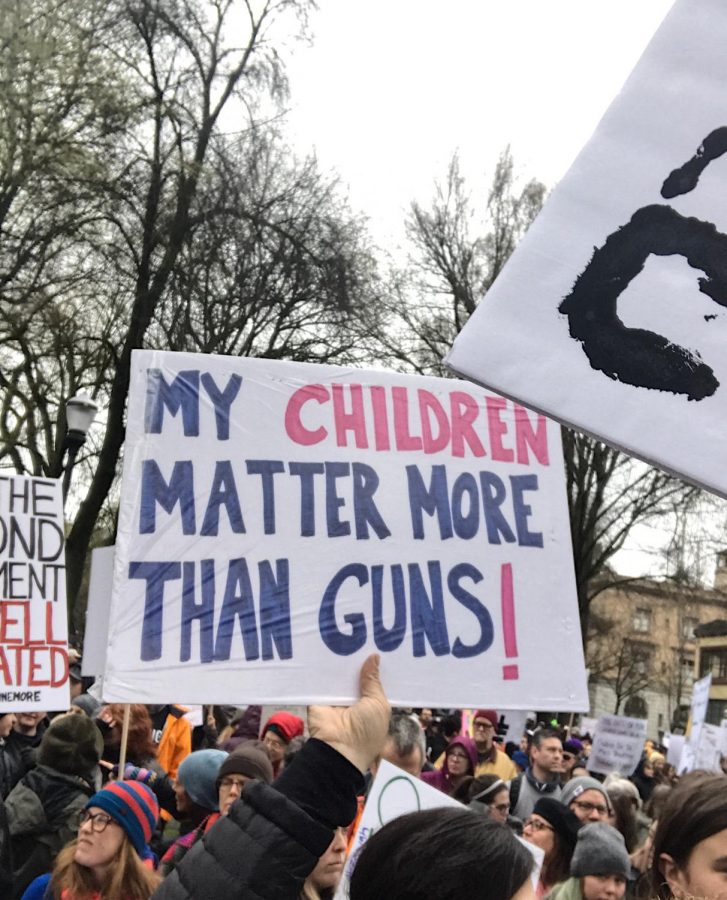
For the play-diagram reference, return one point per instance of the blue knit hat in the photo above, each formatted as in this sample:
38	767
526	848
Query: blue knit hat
198	776
133	806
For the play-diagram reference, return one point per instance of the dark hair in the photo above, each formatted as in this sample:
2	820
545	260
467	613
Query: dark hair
473	856
625	818
695	810
542	734
657	800
556	867
482	783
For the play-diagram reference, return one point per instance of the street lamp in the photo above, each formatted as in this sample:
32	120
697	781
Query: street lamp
80	413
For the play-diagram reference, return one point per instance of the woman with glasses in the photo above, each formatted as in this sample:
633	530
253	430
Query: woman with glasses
490	795
553	828
460	761
110	859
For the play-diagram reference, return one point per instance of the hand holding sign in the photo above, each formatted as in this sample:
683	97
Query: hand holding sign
359	731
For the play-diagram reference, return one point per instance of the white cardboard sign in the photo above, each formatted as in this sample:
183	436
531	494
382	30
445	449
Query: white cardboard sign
96	635
700	702
394	793
611	314
279	522
709	748
617	745
33	616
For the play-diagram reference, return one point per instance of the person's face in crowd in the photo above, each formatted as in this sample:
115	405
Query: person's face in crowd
483	731
500	805
27	722
705	872
75	711
76	688
539	832
411	763
648	770
99	841
231	788
524	743
548	756
590	806
458	762
329	869
586	746
569	761
275	747
7	723
603	887
425	718
184	802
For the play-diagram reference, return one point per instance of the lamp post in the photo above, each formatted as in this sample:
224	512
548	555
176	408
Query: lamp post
80	413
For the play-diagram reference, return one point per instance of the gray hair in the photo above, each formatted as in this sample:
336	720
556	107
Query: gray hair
407	735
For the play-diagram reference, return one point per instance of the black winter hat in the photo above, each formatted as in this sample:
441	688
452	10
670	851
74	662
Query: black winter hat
249	759
565	823
72	745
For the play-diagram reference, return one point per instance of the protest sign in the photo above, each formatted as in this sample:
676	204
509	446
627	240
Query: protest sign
698	712
610	315
587	725
395	793
674	750
33	617
280	521
708	752
617	745
96	634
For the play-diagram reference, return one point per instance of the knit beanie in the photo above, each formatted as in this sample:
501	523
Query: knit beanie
133	806
285	725
574	746
489	714
577	786
72	745
88	704
198	776
600	850
249	759
565	823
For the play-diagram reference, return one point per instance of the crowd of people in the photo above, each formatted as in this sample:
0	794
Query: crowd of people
241	808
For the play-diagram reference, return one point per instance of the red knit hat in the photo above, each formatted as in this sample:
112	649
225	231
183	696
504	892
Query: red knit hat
489	714
285	725
134	806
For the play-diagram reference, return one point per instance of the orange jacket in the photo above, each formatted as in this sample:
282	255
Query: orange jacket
176	742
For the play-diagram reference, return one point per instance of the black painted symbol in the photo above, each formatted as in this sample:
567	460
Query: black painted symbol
638	356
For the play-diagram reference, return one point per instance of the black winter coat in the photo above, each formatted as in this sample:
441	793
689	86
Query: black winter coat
272	839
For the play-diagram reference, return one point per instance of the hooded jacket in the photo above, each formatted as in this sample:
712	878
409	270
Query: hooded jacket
441	778
42	813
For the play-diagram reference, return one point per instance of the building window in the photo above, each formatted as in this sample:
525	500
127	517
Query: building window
686	665
714	660
636	708
642	620
689	623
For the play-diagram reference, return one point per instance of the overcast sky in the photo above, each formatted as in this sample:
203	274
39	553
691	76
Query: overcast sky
390	89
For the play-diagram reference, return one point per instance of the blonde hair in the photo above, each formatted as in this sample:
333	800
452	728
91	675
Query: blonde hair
127	877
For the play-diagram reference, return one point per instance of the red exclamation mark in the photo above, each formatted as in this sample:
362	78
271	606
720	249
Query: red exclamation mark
509	673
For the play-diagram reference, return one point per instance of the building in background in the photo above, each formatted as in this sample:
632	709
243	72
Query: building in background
712	658
641	650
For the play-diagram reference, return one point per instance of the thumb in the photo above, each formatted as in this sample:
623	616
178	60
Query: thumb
370	677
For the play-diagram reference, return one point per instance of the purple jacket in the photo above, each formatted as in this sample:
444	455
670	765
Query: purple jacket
440	778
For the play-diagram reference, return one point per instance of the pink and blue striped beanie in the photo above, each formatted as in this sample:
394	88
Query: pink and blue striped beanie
135	808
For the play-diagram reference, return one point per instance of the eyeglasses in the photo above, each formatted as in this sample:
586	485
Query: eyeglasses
228	782
458	756
537	825
273	742
99	821
587	807
567	756
483	726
